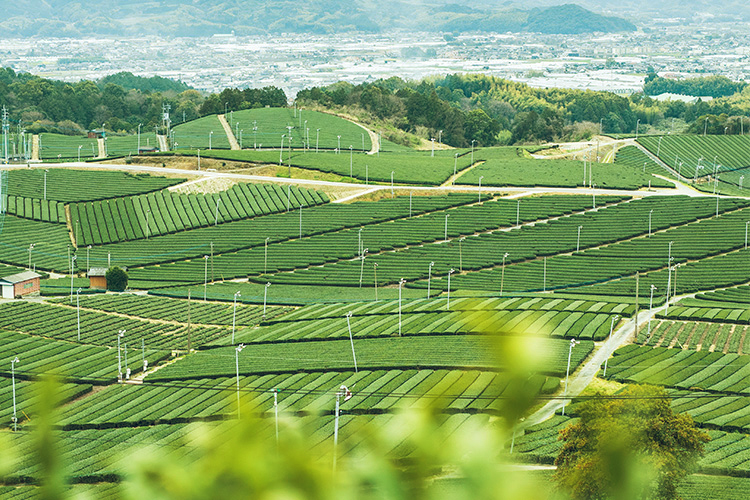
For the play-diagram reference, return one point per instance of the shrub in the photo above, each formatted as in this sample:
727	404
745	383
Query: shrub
117	279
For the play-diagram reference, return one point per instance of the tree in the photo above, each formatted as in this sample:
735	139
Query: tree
629	447
117	279
481	127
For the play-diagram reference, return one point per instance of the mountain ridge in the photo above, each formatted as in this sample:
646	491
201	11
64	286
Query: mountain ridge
61	18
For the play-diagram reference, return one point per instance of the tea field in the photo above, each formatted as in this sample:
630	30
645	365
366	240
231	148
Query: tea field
58	147
163	212
265	126
456	304
413	168
203	133
69	185
511	167
716	162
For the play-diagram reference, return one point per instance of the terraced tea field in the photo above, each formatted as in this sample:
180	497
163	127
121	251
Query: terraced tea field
263	127
414	168
457	304
68	185
633	157
160	213
41	210
56	146
536	317
100	328
71	362
203	133
712	153
378	390
697	335
509	167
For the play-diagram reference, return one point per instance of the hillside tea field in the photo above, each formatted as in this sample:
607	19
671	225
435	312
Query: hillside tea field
476	312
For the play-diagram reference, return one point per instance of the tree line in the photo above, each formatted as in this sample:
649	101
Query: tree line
119	102
480	108
709	86
458	109
494	111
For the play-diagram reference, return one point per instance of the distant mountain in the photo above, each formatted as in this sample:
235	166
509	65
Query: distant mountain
572	19
67	18
688	10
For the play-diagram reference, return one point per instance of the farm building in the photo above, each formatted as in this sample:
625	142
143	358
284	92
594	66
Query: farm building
17	285
97	134
98	278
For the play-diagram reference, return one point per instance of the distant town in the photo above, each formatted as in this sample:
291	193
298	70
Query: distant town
612	62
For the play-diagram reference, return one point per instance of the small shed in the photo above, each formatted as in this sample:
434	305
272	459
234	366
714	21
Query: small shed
18	285
97	134
98	278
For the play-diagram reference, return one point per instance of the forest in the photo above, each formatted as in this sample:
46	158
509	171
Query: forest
494	111
709	86
118	102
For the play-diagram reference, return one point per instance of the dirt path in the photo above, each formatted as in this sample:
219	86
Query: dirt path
137	379
585	375
102	148
35	147
374	140
355	195
452	179
576	150
233	144
163	146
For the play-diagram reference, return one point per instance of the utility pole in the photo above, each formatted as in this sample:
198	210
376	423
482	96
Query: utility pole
637	276
166	121
5	133
189	346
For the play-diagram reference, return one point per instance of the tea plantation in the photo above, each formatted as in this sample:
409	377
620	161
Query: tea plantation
261	298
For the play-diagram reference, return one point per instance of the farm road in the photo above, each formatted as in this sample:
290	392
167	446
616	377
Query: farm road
163	146
35	147
585	375
374	139
233	144
330	184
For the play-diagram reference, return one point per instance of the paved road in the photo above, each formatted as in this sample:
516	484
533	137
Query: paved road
684	190
585	375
